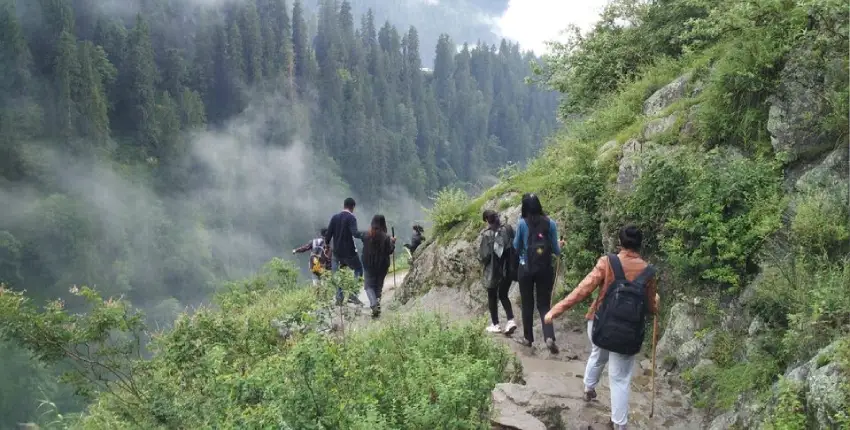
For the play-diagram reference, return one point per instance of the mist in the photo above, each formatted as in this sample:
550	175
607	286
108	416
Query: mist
262	195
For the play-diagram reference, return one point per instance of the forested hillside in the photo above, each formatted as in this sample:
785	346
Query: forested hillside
100	121
157	148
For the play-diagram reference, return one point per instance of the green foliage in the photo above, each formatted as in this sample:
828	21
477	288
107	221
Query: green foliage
717	389
266	356
820	225
100	344
805	303
706	214
450	207
789	413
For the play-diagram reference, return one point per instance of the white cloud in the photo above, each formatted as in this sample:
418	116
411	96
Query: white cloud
533	22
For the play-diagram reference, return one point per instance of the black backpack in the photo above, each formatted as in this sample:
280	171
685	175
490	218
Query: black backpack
619	323
539	254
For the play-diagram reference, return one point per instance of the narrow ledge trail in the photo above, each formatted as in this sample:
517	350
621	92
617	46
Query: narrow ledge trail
551	396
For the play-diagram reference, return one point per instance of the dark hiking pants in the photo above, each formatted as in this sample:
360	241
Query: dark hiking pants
536	291
497	294
374	286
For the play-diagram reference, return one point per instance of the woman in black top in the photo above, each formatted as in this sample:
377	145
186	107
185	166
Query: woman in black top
378	246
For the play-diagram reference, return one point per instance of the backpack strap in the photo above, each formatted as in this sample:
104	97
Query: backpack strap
645	276
617	267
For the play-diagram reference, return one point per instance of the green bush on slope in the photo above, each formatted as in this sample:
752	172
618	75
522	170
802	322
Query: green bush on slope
263	359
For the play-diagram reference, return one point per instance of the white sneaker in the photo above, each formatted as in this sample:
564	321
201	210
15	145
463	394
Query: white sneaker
510	327
494	329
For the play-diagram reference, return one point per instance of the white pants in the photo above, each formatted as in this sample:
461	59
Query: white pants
620	368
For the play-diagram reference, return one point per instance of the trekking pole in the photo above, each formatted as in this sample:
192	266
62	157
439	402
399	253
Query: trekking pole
652	378
393	256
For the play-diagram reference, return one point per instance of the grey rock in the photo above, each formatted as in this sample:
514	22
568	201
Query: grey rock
689	128
826	395
631	166
724	421
659	126
797	107
666	96
688	354
682	327
830	171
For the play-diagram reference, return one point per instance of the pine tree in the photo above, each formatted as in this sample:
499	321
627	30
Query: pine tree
252	43
300	46
139	80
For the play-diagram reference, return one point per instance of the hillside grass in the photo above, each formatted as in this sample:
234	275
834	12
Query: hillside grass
711	203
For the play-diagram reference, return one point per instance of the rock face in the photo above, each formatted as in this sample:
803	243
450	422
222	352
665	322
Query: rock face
679	341
666	96
454	265
796	109
657	127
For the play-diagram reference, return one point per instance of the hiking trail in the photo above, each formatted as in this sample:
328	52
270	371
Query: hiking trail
551	397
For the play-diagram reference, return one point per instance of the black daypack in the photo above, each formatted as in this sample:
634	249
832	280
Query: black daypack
620	321
539	254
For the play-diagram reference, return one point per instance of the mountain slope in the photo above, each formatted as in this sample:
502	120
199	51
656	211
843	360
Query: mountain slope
727	143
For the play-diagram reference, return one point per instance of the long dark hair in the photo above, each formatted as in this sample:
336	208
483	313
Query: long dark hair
376	247
532	209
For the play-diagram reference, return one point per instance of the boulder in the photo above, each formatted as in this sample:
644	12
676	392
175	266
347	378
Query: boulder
630	164
797	108
666	96
681	328
823	383
452	265
829	172
659	126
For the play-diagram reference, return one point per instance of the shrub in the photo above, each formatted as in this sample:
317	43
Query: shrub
706	214
450	207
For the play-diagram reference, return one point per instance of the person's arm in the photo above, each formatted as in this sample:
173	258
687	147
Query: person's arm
586	287
391	247
330	234
303	248
352	225
556	247
520	231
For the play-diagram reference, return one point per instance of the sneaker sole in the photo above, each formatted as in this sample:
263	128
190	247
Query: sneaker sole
510	331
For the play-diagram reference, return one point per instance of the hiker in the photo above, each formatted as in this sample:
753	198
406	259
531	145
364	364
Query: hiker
495	252
342	229
536	240
615	322
416	239
378	246
320	260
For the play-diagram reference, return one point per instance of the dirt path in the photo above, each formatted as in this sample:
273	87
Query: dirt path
552	395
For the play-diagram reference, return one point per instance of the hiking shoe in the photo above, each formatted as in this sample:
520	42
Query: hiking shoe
376	311
523	341
590	395
510	328
494	328
550	343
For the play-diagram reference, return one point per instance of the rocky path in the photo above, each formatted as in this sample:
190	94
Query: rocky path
551	397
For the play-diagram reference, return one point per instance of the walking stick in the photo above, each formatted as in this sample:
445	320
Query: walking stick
393	256
654	339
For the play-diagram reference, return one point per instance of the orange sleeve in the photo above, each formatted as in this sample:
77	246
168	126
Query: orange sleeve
586	287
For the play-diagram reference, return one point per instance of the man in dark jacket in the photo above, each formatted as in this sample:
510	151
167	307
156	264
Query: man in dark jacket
342	230
415	240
